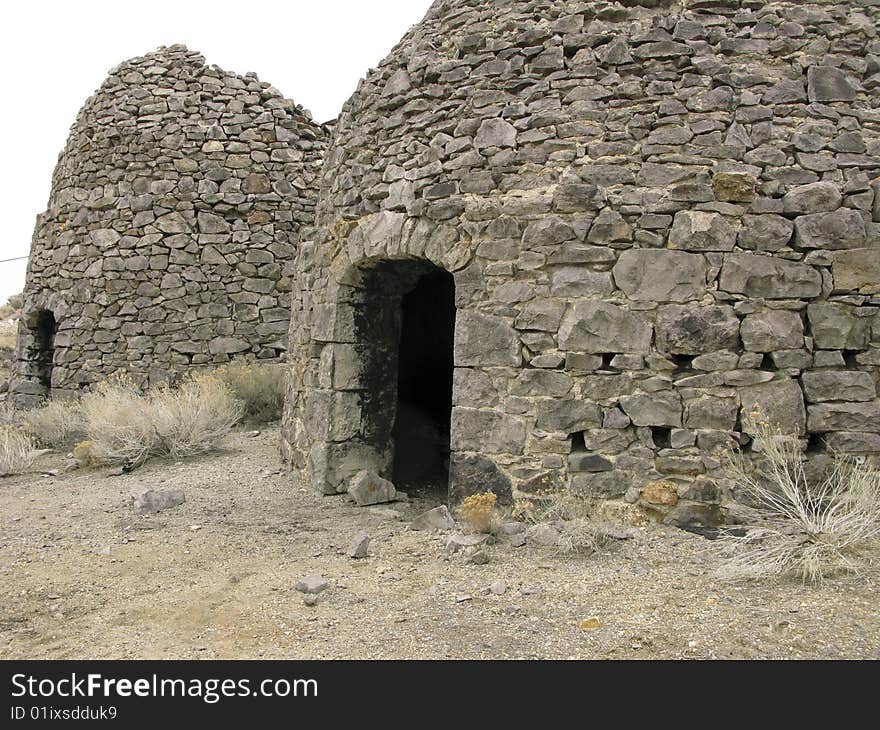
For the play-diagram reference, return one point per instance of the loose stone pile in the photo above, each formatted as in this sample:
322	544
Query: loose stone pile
174	212
659	215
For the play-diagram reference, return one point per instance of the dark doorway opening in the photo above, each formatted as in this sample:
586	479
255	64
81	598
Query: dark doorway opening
43	357
424	384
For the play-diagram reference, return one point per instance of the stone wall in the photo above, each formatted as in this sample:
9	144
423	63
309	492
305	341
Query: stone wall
167	242
657	218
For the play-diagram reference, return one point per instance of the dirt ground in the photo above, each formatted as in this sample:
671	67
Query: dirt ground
83	576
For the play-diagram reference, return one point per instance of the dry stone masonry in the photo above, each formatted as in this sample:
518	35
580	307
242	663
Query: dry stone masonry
175	210
658	216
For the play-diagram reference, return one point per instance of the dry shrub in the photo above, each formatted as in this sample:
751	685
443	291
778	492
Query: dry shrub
196	417
57	424
16	451
125	425
581	536
261	387
575	523
809	529
552	506
84	454
478	511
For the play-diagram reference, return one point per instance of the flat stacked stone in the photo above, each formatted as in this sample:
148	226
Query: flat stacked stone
660	216
168	240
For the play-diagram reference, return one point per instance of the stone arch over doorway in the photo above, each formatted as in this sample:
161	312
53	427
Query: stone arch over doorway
383	400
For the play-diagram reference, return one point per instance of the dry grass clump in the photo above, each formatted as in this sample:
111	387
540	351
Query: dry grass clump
808	529
568	522
16	451
261	387
125	425
57	424
478	512
581	536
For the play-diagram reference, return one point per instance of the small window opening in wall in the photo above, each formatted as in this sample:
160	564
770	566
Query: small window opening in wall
849	357
607	357
767	362
662	436
683	362
44	347
578	443
815	443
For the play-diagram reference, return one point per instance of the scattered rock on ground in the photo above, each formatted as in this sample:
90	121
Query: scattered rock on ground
360	545
498	587
312	584
454	543
150	501
438	518
543	534
368	488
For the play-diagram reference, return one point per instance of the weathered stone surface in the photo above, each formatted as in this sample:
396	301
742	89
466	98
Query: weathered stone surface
819	197
470	474
438	518
367	488
734	187
691	330
857	270
147	500
773	329
844	385
495	133
540	314
660	493
567	416
675	148
832	417
701	231
482	339
577	281
548	231
155	253
360	546
779	403
608	227
486	431
828	83
844	228
312	584
765	276
836	326
603	327
663	276
653	409
718	412
768	232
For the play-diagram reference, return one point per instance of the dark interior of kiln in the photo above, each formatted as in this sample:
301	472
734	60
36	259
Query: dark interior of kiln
44	347
424	383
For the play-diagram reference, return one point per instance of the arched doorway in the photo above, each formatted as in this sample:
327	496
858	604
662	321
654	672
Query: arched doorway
43	352
404	322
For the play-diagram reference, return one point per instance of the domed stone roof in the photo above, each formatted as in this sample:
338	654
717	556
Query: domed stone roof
175	209
658	215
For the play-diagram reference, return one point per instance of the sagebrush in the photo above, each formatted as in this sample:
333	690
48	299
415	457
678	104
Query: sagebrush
57	424
16	451
809	528
261	388
123	424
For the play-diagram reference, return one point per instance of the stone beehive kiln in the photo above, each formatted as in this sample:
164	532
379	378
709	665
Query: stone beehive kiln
174	212
657	216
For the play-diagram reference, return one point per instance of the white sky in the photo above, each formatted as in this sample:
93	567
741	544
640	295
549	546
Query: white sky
54	55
